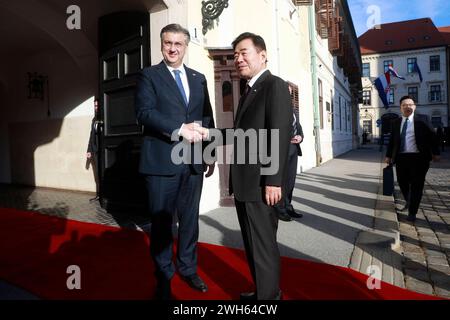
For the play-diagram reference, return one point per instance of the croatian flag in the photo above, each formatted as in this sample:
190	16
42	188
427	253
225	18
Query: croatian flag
382	84
394	73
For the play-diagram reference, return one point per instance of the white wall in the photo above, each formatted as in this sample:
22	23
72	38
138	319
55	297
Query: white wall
338	139
47	151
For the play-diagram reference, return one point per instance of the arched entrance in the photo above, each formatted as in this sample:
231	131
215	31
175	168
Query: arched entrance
386	122
48	149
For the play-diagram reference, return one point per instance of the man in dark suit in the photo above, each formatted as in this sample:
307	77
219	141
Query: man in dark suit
284	208
170	100
264	109
92	149
412	146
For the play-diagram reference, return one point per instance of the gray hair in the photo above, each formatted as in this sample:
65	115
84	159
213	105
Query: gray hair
175	28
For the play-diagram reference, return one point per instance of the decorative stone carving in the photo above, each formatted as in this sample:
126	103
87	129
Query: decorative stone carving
211	10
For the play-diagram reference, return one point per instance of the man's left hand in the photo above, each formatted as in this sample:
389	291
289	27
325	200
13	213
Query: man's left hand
209	169
297	139
436	158
273	195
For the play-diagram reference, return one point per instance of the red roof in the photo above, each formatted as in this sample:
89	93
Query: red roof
445	32
401	36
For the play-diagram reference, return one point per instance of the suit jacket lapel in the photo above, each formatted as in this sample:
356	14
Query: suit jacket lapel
170	81
251	96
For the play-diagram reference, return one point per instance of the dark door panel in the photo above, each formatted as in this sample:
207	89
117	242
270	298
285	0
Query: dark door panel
124	51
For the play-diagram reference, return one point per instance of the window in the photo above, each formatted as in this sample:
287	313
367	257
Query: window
388	63
367	126
413	92
366	70
435	93
435	63
227	96
321	103
340	113
332	109
391	96
411	62
367	98
345	116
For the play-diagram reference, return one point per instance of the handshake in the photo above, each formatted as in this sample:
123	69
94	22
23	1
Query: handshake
193	132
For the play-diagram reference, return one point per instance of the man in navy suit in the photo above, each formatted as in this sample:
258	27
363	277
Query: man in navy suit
411	147
171	100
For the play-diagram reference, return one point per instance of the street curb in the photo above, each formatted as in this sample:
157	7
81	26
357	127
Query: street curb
380	246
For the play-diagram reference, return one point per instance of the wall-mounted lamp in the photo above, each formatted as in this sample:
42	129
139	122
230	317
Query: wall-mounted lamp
36	83
37	87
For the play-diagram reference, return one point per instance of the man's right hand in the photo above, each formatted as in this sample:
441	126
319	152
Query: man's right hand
190	132
387	160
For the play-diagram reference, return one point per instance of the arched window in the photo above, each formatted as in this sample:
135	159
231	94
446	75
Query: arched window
227	96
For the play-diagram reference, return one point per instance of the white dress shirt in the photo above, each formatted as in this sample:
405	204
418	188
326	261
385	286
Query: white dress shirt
252	81
410	139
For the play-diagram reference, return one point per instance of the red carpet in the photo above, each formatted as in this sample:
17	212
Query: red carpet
36	250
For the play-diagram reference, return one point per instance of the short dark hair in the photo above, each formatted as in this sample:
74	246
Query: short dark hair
404	98
257	40
175	28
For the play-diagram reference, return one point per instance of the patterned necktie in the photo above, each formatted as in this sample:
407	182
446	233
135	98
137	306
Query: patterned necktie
180	85
246	92
294	126
403	136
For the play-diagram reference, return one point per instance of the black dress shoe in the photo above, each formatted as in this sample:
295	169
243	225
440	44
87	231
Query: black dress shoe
252	296
294	214
194	281
283	214
163	289
247	296
411	217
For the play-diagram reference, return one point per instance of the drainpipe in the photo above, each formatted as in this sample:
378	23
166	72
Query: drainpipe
276	35
314	79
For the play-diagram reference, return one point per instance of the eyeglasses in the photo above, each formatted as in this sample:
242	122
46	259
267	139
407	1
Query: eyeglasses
408	105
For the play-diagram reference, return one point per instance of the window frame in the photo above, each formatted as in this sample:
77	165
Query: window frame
366	64
410	64
386	64
414	95
369	95
433	64
435	95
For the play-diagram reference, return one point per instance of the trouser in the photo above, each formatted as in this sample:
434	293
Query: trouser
179	193
411	170
259	224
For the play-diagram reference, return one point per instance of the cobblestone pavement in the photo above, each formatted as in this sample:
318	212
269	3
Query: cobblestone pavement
426	242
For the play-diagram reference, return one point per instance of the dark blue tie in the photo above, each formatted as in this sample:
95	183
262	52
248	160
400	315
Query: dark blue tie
403	136
180	85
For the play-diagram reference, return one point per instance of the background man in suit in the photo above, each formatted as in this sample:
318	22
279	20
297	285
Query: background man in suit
266	104
411	147
284	208
170	97
92	149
